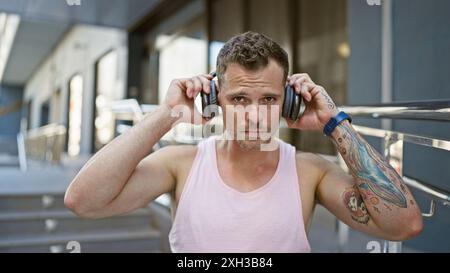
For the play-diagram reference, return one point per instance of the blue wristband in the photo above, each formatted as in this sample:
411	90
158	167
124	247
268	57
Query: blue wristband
335	121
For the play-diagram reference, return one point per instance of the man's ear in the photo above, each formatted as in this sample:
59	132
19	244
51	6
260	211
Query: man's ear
218	85
218	92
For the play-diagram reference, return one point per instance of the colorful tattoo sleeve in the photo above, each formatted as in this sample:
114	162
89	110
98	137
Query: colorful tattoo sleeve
378	185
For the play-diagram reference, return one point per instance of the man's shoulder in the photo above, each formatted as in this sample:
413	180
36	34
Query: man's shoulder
177	158
313	161
180	159
308	158
179	152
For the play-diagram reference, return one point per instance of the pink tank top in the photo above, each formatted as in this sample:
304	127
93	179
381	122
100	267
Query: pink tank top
214	217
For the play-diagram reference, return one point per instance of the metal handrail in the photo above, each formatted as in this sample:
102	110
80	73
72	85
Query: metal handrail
414	139
437	110
421	110
437	194
44	143
22	152
128	107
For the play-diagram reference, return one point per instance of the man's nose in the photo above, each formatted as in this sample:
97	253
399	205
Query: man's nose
252	113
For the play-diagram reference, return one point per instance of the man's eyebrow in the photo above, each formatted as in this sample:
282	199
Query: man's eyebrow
244	94
237	93
270	94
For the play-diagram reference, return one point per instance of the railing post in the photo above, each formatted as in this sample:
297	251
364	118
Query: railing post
393	151
342	233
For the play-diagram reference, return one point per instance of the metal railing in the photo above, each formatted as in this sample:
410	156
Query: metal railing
437	110
44	143
130	110
393	146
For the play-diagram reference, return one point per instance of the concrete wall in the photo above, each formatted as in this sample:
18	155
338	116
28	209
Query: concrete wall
422	67
77	53
421	64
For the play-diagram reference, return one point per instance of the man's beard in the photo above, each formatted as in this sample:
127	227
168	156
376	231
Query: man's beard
251	145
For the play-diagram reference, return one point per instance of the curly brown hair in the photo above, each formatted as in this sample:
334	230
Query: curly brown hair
253	51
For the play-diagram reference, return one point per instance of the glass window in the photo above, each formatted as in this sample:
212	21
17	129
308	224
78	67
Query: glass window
180	56
227	21
322	52
178	49
107	90
230	18
271	18
56	107
45	112
75	115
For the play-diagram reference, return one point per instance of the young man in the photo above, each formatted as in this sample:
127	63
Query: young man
232	196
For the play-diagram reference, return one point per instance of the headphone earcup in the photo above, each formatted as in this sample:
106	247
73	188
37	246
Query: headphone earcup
213	102
205	103
289	97
296	108
292	103
287	101
209	102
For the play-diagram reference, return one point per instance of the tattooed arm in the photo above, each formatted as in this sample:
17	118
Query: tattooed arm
374	198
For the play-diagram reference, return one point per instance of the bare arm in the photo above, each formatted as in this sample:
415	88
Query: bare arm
374	199
112	179
118	179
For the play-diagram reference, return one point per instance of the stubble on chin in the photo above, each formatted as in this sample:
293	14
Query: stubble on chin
251	145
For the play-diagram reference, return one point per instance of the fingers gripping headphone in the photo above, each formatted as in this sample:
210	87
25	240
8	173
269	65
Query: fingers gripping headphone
291	104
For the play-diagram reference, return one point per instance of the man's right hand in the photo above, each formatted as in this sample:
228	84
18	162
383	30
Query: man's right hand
182	92
116	180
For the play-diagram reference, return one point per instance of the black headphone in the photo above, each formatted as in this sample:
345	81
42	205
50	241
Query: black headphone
291	104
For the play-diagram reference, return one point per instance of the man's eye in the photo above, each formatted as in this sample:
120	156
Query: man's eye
238	99
269	99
